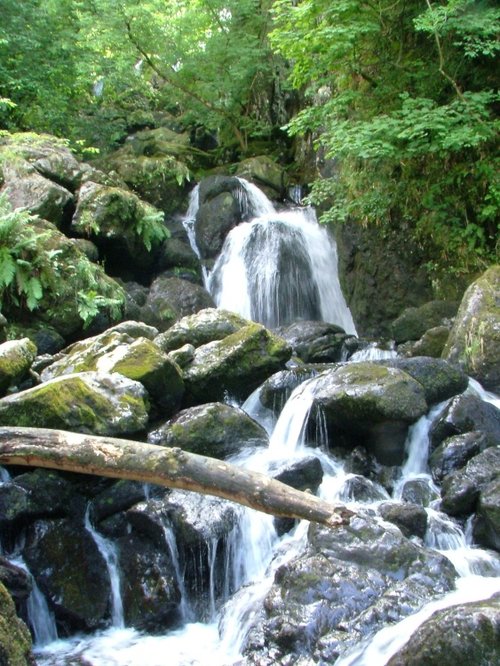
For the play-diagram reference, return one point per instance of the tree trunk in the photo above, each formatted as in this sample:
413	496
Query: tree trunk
171	467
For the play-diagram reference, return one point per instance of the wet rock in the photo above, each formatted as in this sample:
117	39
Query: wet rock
235	365
358	489
486	528
464	634
439	379
205	326
454	452
410	518
213	429
149	588
461	490
418	491
368	404
359	461
474	341
315	341
278	388
16	580
171	298
304	474
430	344
466	413
415	321
120	496
15	639
16	358
79	595
88	402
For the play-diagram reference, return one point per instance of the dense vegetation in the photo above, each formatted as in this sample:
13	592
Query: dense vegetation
399	94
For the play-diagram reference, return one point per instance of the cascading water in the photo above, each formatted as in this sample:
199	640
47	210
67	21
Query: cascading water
277	268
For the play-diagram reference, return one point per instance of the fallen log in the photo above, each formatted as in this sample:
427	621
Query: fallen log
171	467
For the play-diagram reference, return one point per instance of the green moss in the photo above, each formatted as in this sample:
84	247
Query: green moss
15	639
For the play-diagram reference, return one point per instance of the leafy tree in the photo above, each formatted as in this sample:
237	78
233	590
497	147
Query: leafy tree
402	95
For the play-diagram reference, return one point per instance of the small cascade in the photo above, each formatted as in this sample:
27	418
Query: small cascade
40	619
372	353
187	614
110	556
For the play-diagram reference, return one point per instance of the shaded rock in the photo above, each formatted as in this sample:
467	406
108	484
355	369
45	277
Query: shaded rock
359	461
486	528
124	228
368	404
235	365
474	341
415	321
439	379
430	344
120	496
79	595
304	474
358	489
149	589
410	518
135	329
88	402
460	491
454	452
26	188
16	580
213	429
315	341
182	356
197	329
263	171
88	248
466	413
171	298
418	491
16	358
465	634
15	639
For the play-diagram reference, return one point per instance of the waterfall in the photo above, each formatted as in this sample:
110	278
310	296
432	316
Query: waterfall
40	619
171	542
276	268
110	556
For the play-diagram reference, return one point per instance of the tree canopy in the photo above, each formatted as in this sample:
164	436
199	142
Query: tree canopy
398	95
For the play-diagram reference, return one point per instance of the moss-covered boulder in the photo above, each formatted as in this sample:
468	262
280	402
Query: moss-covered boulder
171	298
214	429
88	402
413	322
204	326
368	404
70	570
430	344
155	164
235	365
474	341
138	359
126	229
16	358
464	634
15	639
276	390
265	173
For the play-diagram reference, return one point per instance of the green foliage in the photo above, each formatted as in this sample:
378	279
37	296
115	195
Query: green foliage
403	99
150	227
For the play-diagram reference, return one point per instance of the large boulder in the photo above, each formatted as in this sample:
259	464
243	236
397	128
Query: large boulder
368	404
79	595
464	634
214	429
315	341
15	639
235	365
124	228
197	329
276	390
454	452
474	341
16	358
486	528
466	413
413	322
138	359
88	402
266	173
171	298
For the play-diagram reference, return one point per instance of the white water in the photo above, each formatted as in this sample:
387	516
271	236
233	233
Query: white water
276	268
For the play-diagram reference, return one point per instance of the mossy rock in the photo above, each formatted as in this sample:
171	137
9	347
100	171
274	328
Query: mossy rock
16	358
413	322
89	402
214	429
204	326
264	171
235	365
15	639
171	298
474	341
430	344
369	404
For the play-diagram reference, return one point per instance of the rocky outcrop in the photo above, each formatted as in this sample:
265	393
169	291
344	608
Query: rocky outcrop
474	341
214	429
